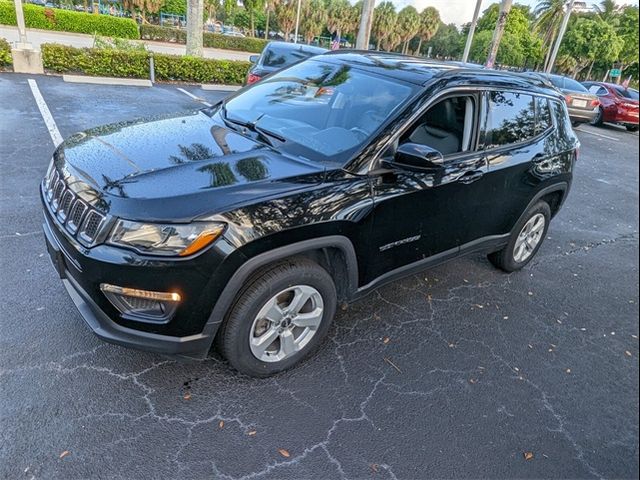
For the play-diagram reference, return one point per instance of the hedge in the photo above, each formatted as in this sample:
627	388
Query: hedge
212	40
135	64
68	21
5	53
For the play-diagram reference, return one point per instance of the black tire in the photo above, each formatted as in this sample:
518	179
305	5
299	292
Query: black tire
504	259
599	118
632	128
233	338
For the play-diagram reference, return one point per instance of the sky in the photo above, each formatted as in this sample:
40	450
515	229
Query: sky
461	11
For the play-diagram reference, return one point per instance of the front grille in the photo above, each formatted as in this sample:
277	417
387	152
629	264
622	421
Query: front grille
79	219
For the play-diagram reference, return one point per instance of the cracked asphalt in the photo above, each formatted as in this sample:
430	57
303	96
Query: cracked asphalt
453	373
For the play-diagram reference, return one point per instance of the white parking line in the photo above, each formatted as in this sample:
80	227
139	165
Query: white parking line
46	114
197	99
597	134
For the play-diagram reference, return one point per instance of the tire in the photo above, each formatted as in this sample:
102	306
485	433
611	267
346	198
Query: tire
510	258
270	294
632	128
598	119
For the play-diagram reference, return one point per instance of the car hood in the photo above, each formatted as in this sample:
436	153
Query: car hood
137	166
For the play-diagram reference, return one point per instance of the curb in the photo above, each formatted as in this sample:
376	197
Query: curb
224	88
132	82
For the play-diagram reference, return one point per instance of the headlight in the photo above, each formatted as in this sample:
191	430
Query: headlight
165	239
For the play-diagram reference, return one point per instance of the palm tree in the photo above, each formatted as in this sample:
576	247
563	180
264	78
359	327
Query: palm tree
408	25
314	19
286	15
269	7
338	16
608	10
549	14
384	22
429	24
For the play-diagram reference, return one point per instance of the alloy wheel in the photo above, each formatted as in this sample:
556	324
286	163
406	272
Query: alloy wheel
529	238
286	323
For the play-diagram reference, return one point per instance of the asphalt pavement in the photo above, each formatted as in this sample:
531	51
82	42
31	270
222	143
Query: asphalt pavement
459	372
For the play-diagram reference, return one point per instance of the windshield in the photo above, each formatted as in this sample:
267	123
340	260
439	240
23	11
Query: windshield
565	83
279	57
627	93
321	111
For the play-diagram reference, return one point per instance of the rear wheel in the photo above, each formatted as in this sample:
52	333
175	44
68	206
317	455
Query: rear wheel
279	319
599	118
525	240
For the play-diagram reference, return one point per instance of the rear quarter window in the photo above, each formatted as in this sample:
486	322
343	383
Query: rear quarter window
510	118
280	57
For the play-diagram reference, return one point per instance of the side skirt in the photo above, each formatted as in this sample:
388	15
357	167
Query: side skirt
486	244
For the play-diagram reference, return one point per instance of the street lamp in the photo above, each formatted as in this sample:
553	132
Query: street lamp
295	40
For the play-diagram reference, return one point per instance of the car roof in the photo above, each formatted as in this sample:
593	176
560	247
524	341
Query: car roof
296	46
420	70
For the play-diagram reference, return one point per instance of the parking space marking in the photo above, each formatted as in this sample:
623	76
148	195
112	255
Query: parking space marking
597	134
197	99
46	113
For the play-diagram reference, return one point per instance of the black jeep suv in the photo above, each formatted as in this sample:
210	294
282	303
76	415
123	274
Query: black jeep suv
248	222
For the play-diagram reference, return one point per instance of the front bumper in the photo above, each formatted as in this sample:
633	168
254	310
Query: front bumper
194	346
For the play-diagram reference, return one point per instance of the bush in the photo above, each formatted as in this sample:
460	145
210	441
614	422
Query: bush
135	64
212	40
5	53
69	21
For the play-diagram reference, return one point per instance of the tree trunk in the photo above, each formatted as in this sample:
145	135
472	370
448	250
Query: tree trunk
378	44
266	26
195	12
590	70
253	27
505	9
418	51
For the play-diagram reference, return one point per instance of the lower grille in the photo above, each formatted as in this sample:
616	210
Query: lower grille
74	215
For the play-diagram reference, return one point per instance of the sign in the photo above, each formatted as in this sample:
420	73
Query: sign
615	73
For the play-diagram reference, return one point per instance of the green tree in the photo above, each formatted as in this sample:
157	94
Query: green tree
548	17
447	42
176	7
627	30
429	24
338	12
384	22
408	25
589	40
313	19
286	16
251	6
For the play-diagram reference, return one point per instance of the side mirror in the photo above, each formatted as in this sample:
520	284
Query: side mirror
418	157
254	59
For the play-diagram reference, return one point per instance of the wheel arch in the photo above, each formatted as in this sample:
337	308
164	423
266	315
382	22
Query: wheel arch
554	195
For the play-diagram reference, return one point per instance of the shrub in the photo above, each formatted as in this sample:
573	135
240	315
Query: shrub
5	53
212	40
68	21
135	64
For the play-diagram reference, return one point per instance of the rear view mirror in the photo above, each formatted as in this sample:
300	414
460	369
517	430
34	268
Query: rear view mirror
254	59
415	156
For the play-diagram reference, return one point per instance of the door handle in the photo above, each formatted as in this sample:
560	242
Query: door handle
471	177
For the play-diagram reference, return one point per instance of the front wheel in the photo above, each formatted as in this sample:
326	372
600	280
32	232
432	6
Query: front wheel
525	240
632	128
279	319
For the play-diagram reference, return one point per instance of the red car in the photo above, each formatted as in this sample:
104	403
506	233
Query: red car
617	104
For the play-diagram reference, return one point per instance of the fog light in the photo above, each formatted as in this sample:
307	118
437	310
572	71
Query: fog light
142	305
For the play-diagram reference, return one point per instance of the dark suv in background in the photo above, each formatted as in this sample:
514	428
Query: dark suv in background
249	221
278	55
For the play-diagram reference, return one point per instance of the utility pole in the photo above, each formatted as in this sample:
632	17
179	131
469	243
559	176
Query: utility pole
472	31
195	13
22	30
505	8
366	19
26	59
563	30
295	39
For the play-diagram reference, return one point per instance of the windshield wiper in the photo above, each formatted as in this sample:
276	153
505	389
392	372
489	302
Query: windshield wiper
264	134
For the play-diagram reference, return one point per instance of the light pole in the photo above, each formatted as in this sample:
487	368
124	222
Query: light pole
295	39
22	30
26	59
563	30
505	8
472	31
362	40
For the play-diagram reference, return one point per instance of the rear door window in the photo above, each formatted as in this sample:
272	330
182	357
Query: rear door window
510	118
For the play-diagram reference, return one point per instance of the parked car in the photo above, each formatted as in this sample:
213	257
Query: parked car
583	105
249	221
278	55
618	104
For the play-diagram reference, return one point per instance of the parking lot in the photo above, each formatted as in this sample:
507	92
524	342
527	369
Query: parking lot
462	371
